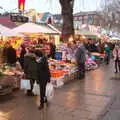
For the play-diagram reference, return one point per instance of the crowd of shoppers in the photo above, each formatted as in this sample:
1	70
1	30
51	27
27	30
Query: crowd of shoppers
35	64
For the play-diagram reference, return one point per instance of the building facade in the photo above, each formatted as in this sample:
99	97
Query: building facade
90	18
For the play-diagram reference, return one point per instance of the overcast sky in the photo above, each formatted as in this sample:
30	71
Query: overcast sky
52	6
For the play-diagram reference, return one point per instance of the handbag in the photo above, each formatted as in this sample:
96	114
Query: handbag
36	89
25	84
49	91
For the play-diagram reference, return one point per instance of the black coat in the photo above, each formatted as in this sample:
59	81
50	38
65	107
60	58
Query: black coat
21	59
30	66
52	51
43	71
22	54
11	55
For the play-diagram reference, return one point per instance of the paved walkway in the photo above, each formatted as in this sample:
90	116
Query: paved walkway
77	100
112	110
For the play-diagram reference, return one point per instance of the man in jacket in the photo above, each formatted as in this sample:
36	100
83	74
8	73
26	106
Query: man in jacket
107	54
80	59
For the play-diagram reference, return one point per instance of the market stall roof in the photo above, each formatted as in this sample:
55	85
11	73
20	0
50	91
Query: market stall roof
115	38
86	32
10	33
3	29
55	29
33	28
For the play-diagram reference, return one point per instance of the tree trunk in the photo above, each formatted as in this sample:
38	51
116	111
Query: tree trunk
67	13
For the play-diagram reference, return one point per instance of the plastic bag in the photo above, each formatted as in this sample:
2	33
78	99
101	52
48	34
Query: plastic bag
36	89
25	84
49	91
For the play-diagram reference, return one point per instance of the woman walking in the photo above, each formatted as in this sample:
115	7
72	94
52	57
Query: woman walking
116	54
43	73
22	54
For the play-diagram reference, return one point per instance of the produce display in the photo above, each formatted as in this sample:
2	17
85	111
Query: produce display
59	70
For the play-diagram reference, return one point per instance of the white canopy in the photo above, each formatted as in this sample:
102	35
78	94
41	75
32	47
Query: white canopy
86	32
115	38
55	29
10	33
33	28
3	29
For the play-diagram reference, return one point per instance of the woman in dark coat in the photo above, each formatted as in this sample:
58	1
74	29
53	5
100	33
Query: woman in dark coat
11	56
43	76
30	70
52	50
22	54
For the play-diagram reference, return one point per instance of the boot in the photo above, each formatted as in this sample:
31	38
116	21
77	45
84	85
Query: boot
41	106
45	100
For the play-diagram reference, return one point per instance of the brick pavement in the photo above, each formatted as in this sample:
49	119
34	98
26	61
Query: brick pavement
78	100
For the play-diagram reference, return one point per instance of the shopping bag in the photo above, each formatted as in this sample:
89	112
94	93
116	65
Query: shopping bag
49	91
36	89
25	84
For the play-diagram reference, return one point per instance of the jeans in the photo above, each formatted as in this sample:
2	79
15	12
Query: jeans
81	69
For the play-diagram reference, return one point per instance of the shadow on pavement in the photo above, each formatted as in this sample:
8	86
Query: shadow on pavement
6	98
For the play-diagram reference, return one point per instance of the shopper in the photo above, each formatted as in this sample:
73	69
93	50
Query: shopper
80	59
11	56
52	50
22	54
92	47
5	52
107	54
30	70
43	76
116	54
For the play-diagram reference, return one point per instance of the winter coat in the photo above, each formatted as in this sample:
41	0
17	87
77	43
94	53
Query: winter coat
30	66
11	55
81	55
93	48
43	71
21	59
115	54
22	54
107	51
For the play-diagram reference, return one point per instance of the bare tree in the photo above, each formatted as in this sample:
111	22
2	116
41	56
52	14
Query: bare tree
111	14
67	13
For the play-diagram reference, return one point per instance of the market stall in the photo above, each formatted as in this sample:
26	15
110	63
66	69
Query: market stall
37	34
9	78
62	72
87	33
37	30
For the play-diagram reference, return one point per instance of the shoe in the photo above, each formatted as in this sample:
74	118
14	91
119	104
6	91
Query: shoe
30	94
41	106
116	71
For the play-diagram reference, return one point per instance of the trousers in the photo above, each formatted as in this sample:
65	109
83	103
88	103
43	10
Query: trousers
42	92
117	65
81	69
